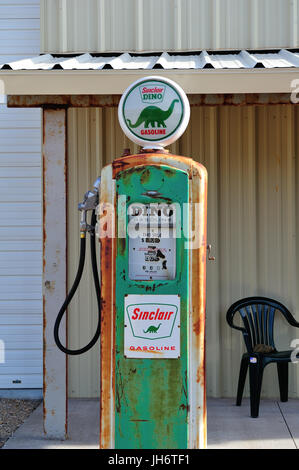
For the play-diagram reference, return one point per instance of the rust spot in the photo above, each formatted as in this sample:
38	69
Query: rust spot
169	173
165	151
145	176
184	407
139	420
196	327
117	400
121	246
50	285
126	152
160	196
112	101
200	375
132	162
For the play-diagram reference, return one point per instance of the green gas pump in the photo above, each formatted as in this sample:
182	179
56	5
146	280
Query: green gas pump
152	231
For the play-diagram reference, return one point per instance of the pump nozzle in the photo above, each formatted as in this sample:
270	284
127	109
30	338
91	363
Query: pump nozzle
91	198
97	183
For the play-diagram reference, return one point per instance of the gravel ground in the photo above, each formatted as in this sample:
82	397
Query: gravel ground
12	414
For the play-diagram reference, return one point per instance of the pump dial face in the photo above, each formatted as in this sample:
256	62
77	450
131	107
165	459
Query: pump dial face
152	242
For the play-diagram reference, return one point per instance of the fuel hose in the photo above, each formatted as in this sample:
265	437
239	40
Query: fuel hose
75	352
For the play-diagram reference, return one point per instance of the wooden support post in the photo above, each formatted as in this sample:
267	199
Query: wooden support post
54	270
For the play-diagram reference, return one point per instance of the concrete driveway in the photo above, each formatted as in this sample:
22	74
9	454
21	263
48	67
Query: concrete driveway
229	426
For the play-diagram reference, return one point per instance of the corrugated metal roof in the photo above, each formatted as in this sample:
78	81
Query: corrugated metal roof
281	58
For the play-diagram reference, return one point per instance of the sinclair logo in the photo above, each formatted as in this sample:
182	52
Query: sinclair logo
154	94
154	110
152	321
152	326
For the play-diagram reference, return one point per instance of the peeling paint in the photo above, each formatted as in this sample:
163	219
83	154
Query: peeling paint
54	271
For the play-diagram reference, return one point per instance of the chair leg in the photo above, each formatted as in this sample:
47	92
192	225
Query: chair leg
283	379
255	380
242	378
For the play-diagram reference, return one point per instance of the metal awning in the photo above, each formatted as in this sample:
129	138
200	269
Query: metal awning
168	61
197	72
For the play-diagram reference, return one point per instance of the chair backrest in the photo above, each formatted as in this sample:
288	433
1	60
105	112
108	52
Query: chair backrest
258	315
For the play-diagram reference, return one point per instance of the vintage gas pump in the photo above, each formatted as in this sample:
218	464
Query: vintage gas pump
151	224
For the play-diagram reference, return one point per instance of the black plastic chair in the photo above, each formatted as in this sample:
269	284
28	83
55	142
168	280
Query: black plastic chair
258	315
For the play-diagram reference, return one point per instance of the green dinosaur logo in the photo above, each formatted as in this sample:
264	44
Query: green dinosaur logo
152	115
152	329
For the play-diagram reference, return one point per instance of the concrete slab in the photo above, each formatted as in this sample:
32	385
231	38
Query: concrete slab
83	429
290	411
229	426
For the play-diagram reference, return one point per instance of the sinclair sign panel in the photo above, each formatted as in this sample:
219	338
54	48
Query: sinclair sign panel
152	326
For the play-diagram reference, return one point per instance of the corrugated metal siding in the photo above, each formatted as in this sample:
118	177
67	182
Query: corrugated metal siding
20	248
20	212
19	29
117	25
252	154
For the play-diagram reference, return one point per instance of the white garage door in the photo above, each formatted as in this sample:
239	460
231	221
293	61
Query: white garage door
20	212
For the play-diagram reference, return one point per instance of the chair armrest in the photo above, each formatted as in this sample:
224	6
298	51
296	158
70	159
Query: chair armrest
229	319
293	322
290	318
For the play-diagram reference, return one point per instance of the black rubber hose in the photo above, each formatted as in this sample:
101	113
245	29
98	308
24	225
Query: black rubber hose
74	352
94	264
